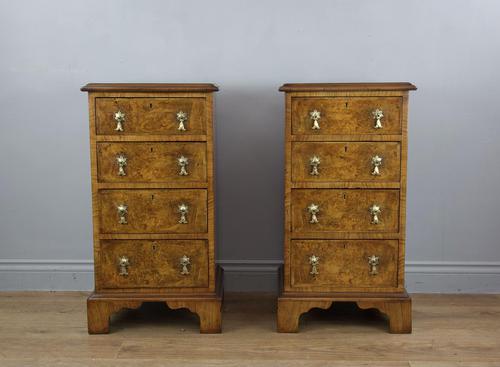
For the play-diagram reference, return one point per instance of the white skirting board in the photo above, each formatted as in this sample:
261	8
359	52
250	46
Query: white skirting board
251	276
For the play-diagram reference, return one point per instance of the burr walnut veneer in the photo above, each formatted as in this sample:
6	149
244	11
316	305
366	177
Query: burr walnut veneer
153	200
345	200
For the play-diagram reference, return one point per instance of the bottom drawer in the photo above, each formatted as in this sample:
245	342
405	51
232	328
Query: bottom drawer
344	264
154	264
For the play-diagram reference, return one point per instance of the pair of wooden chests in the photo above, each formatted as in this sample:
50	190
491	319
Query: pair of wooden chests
152	170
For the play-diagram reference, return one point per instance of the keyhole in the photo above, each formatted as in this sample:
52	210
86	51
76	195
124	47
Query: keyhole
345	148
151	149
152	197
150	105
346	104
344	196
154	246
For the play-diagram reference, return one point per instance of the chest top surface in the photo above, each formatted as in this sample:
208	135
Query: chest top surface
149	87
346	87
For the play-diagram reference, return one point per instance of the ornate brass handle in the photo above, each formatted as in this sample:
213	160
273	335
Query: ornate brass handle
315	116
183	163
121	159
375	212
182	118
314	262
183	210
314	162
184	261
120	119
373	261
376	163
313	209
122	213
123	264
377	116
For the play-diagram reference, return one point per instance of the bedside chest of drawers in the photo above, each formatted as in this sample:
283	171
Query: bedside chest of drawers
153	200
345	200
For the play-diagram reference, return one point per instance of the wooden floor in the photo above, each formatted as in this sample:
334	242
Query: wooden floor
49	329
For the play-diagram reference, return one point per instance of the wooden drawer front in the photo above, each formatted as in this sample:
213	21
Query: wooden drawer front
346	161
151	162
150	115
344	264
346	115
342	210
153	211
153	263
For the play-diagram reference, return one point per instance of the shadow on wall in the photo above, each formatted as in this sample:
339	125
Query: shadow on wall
249	140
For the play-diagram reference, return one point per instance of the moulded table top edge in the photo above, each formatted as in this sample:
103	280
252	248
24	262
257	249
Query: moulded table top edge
340	87
149	87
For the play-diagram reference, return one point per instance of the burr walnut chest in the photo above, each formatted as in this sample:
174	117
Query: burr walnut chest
153	200
345	196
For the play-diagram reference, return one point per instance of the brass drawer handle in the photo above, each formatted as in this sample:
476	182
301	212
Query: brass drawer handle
314	262
376	163
122	213
377	116
315	116
121	159
314	162
373	261
185	261
123	264
182	117
375	212
120	119
183	163
313	209
183	210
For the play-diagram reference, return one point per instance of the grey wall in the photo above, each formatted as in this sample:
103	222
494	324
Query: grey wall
449	49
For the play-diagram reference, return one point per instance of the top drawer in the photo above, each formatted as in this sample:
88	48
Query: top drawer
346	115
163	116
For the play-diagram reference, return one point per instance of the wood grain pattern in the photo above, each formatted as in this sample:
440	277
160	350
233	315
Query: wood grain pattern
396	308
154	263
346	161
98	313
154	185
345	87
344	264
345	137
101	306
346	115
208	311
150	138
212	274
153	211
398	312
152	162
402	196
149	87
151	115
344	210
289	313
48	329
150	122
344	185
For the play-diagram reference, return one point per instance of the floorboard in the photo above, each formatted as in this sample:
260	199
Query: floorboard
49	329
